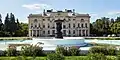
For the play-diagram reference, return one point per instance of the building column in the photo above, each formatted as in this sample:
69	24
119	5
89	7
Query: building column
39	33
85	33
29	33
81	32
36	33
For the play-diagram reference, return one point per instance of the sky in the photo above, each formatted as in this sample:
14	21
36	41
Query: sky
96	8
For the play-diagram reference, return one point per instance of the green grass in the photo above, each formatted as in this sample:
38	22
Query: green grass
44	58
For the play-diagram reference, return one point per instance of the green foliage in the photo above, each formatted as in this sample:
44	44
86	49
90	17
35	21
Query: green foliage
11	52
12	27
118	57
96	56
55	56
107	50
73	51
105	26
61	50
31	51
111	58
115	28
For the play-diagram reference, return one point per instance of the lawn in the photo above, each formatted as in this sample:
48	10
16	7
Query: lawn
44	58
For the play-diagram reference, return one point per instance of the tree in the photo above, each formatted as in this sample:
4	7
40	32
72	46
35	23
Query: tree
112	21
13	26
118	19
7	23
115	28
1	24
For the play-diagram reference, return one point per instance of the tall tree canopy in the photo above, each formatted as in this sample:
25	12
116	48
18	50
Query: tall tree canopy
12	27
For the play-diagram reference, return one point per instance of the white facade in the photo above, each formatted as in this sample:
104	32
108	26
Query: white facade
43	25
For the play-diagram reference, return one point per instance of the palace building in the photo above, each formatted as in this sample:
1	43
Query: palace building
74	25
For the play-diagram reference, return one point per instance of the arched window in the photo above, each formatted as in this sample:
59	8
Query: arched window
73	31
64	26
48	25
73	25
48	31
82	25
69	25
35	20
39	24
69	32
82	20
35	25
86	25
78	24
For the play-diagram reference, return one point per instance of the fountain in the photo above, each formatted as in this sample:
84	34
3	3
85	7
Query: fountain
58	29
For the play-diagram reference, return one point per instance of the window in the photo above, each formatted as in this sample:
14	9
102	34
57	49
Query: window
35	20
73	31
64	26
48	31
83	31
69	19
35	25
69	32
86	32
43	32
82	20
73	19
43	19
69	25
82	25
64	32
79	32
78	24
48	19
43	26
86	25
73	25
39	24
48	25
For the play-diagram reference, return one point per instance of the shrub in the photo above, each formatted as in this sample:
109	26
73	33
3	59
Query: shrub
31	51
106	50
2	53
61	50
55	56
118	57
73	51
111	58
11	52
96	56
111	51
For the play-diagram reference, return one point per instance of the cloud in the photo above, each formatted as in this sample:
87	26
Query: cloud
94	14
36	6
114	13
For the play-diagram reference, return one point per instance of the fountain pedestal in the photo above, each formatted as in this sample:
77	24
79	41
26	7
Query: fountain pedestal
58	29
